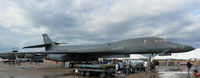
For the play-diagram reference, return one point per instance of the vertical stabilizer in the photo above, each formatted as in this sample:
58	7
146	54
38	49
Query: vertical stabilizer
47	40
48	43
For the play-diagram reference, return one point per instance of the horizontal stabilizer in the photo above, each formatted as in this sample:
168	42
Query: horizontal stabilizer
57	43
37	46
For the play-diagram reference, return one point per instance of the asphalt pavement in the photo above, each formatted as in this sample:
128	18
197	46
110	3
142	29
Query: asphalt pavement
52	70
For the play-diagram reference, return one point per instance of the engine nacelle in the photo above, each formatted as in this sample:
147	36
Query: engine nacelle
58	57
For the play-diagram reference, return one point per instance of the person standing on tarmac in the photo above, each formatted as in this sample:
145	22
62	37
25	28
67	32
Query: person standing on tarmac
153	66
189	65
121	65
117	67
196	65
128	68
146	66
157	66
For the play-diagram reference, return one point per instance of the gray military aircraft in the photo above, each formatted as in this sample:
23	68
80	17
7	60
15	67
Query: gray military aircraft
146	45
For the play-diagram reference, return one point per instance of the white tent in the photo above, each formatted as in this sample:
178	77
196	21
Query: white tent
195	54
137	56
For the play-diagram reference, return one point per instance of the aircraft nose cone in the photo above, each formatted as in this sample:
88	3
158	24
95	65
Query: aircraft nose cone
188	48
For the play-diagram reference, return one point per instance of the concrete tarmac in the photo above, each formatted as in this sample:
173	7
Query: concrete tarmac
51	70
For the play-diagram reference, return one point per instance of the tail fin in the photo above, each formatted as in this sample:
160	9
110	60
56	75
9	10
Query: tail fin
47	40
47	43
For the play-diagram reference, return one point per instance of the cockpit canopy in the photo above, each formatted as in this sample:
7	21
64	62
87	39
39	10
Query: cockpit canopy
155	40
161	40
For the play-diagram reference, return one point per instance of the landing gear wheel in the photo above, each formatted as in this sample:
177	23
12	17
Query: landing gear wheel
87	73
102	75
82	73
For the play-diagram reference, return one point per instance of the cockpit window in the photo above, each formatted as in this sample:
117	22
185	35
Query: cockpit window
145	41
165	40
161	40
156	40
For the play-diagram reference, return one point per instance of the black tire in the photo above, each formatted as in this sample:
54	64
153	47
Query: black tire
87	73
133	70
82	73
108	75
102	75
143	69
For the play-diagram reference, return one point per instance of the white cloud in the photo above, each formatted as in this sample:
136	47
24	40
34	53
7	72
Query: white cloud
97	21
15	19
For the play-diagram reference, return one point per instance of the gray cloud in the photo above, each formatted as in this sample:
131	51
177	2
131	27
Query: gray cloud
97	21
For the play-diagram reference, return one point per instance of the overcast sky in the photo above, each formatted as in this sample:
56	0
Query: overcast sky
97	21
